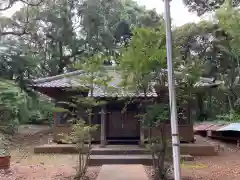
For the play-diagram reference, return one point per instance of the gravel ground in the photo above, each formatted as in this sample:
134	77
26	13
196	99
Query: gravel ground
25	165
43	172
28	166
225	166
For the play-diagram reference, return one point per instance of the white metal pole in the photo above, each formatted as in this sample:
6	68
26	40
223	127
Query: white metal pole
172	94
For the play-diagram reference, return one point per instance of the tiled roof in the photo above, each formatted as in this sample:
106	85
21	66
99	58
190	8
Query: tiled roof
208	82
203	81
66	80
72	79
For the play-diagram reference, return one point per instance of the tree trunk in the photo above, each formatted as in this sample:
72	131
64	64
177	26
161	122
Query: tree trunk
163	151
61	60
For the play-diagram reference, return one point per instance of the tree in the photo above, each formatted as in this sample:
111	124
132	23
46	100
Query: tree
103	19
81	132
157	116
94	78
7	23
5	5
199	41
14	105
215	45
145	54
203	6
47	38
227	17
58	32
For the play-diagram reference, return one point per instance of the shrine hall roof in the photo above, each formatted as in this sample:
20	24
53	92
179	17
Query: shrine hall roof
72	80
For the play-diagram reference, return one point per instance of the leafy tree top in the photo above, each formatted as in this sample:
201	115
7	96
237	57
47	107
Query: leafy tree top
146	53
204	6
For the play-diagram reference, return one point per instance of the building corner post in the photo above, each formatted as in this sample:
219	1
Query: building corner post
103	127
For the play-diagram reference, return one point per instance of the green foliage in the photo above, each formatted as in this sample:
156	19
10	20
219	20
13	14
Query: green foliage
81	132
145	54
228	17
189	75
6	5
49	38
204	6
157	117
70	30
232	116
95	76
14	103
17	107
42	111
4	146
52	37
156	114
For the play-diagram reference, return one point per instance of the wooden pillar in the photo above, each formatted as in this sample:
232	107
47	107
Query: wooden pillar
142	138
103	127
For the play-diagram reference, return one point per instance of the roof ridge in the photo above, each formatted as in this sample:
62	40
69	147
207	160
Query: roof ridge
52	78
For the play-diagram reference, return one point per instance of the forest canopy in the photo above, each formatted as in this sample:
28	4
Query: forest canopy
48	38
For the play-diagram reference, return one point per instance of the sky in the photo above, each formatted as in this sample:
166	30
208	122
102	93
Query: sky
179	13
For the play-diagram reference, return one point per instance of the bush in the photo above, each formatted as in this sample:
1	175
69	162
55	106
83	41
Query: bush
13	103
232	116
42	112
158	116
81	132
162	158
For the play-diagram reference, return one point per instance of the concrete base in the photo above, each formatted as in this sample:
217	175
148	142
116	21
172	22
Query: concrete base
186	149
198	149
56	148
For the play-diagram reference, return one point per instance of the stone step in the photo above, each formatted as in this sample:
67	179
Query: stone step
98	160
121	150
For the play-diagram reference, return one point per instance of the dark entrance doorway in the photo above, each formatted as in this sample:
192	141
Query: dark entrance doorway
123	127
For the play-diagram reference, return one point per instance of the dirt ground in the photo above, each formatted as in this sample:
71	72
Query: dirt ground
25	165
225	166
28	166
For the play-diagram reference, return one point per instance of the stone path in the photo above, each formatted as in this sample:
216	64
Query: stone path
122	172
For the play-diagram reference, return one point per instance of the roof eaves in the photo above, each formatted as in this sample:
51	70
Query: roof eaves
52	78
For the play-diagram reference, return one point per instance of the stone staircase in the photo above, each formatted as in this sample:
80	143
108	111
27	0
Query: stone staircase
124	154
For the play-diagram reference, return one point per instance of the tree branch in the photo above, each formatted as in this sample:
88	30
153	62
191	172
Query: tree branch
19	32
14	33
12	2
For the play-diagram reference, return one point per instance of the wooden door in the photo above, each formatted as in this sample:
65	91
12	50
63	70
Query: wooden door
122	125
114	126
131	127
